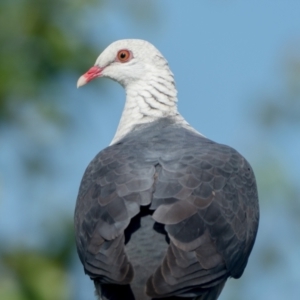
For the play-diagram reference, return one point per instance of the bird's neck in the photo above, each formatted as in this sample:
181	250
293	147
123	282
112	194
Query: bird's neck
147	100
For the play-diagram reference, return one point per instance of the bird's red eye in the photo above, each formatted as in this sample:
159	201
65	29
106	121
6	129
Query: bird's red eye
123	56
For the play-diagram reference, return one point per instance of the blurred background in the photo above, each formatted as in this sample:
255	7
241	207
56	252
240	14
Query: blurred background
236	61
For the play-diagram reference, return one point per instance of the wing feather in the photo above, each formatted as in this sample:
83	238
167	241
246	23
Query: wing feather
202	192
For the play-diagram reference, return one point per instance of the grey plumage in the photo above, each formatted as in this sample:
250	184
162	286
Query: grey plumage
204	205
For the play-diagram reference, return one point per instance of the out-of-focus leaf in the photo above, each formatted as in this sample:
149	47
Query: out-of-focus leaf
38	277
36	46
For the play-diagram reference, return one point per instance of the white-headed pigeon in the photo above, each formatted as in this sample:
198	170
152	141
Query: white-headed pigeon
163	212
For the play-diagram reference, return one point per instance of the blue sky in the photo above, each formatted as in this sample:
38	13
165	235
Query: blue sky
225	55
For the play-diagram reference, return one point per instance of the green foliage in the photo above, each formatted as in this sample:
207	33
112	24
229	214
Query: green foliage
33	276
39	43
39	274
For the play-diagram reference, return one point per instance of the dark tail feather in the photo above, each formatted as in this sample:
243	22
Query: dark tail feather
213	293
113	291
122	292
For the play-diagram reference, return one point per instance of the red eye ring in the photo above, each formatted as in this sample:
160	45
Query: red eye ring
124	55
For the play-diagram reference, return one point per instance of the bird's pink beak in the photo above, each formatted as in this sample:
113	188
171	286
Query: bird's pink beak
91	74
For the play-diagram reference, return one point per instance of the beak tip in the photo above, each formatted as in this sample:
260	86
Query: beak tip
81	81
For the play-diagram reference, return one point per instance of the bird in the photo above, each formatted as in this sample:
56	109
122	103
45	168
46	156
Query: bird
163	212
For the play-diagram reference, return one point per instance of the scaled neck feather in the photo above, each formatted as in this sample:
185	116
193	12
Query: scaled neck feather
148	99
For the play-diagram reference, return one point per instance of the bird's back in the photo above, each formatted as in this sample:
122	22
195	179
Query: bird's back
165	212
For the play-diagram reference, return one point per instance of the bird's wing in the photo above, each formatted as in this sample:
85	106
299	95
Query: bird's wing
113	187
207	198
203	192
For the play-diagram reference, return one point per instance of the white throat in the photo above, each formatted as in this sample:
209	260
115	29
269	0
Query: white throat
147	100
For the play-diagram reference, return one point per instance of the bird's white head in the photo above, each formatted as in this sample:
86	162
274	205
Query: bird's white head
127	61
144	73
